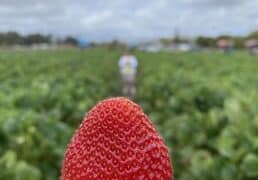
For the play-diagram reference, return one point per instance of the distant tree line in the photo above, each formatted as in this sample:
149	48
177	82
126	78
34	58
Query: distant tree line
14	38
239	41
70	40
114	44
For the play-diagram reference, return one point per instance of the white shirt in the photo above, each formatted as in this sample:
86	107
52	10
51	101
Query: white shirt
128	64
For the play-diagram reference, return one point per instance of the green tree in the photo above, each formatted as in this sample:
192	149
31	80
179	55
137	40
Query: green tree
36	39
206	41
71	41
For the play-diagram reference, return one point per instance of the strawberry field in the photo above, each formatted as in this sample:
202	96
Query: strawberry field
204	104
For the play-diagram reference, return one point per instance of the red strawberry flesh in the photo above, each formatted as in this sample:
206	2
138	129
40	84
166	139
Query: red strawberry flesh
116	140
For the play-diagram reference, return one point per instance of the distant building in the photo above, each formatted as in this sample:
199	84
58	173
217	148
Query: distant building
38	46
156	46
43	46
184	47
83	44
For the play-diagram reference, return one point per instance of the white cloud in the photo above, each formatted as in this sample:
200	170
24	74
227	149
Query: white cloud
96	19
129	20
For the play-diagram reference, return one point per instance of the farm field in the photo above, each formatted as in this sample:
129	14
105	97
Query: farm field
204	104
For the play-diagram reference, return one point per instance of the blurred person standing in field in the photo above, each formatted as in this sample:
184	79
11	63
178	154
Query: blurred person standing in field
128	68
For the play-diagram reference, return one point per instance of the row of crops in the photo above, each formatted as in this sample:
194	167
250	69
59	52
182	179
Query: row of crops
204	104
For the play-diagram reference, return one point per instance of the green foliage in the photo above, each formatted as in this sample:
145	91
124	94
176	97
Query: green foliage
11	168
70	40
239	42
206	41
13	38
253	35
205	106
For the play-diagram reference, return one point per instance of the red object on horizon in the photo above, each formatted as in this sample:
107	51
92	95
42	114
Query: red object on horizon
116	140
225	43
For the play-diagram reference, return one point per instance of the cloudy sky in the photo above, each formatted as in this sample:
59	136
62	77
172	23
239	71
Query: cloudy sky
132	20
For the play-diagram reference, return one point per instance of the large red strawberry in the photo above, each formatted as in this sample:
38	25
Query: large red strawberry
116	140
